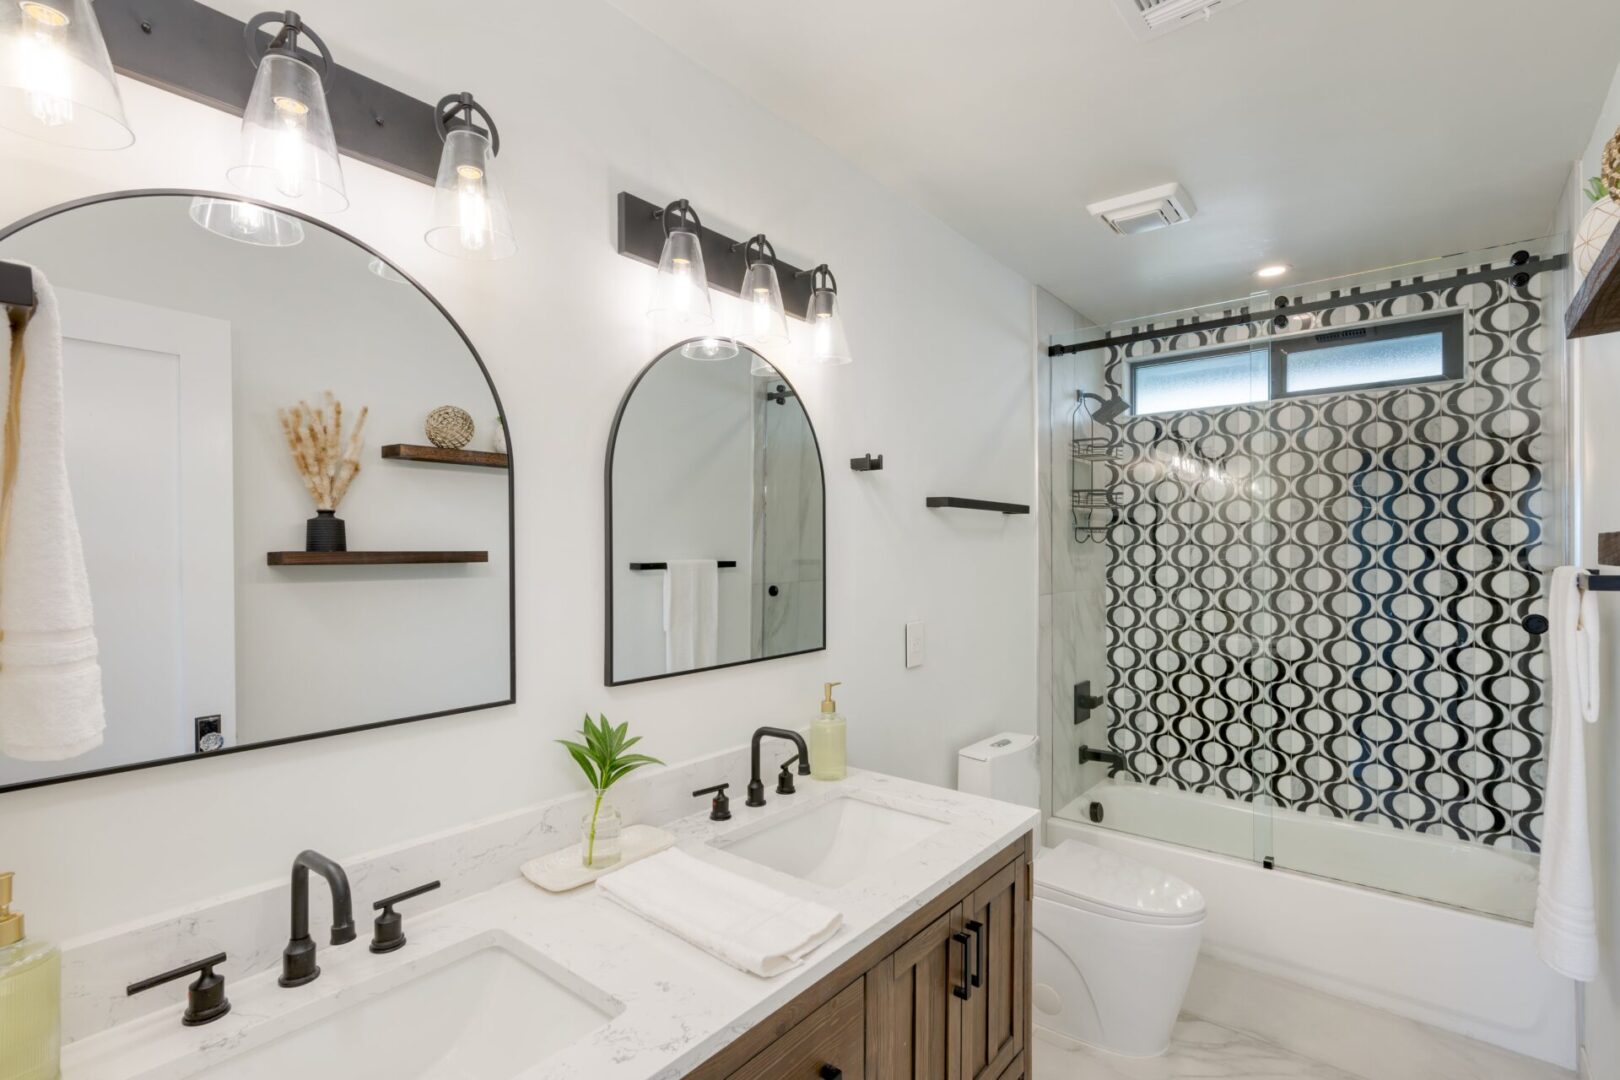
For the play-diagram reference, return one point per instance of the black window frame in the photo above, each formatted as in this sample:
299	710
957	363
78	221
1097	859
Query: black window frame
1453	358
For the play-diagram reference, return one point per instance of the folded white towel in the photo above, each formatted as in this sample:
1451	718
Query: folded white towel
50	680
1566	915
748	925
691	614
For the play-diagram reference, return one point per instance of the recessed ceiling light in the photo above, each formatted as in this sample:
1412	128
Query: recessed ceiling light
1274	270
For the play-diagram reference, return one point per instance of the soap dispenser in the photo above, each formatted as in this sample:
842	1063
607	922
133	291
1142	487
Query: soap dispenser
30	999
827	760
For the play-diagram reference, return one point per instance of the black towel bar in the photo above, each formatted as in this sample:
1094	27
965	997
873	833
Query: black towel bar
725	564
952	502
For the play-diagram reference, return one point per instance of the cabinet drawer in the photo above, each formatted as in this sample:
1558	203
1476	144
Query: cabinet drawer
834	1035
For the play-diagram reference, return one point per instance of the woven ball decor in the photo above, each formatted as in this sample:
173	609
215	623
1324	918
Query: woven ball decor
449	427
1611	166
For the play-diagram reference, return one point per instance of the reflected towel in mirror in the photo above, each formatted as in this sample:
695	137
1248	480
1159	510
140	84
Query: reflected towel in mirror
50	677
691	614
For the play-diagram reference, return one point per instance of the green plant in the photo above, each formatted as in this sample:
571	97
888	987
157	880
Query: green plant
603	760
1596	189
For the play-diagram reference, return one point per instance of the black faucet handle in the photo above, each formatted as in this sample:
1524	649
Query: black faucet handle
784	782
720	808
205	998
388	932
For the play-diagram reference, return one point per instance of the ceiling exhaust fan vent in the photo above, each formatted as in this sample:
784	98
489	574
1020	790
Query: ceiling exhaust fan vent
1144	211
1150	18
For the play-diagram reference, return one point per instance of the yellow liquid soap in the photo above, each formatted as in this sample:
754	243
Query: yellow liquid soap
30	1000
827	744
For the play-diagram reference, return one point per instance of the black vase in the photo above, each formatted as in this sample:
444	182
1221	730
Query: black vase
324	532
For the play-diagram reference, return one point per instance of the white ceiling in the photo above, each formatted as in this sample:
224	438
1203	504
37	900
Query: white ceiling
1335	135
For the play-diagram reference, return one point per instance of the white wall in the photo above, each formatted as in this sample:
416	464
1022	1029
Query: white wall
1597	389
942	388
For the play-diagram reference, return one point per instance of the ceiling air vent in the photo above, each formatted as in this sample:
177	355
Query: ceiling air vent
1150	18
1145	211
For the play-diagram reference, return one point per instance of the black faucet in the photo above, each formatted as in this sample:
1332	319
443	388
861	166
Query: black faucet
298	958
756	787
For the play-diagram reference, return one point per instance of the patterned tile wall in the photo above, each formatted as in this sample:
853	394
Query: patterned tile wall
1318	602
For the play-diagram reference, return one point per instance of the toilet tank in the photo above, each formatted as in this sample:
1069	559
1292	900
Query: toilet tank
1005	767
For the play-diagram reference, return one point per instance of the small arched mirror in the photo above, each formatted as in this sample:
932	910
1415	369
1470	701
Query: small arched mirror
229	610
716	520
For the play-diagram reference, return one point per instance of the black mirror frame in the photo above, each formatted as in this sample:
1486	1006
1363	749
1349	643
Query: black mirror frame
607	560
511	490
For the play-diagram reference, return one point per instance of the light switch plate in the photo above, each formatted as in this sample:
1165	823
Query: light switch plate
916	644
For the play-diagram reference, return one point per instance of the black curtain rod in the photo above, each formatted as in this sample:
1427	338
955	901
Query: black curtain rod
16	286
1524	266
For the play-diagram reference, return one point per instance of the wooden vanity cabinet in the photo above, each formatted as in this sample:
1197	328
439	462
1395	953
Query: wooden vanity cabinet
943	996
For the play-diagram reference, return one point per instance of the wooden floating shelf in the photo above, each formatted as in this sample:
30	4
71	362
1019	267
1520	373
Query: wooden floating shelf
484	459
1596	307
371	558
943	502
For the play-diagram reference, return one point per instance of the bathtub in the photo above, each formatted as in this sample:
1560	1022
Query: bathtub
1462	959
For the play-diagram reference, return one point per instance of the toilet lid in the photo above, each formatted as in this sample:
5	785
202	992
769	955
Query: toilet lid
1115	884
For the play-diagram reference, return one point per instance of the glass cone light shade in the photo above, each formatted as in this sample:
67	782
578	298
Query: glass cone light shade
386	271
288	152
470	218
828	345
680	304
761	321
56	82
248	222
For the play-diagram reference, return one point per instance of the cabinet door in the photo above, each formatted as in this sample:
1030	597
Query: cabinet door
995	919
914	1015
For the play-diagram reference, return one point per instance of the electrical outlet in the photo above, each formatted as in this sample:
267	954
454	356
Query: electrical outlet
916	644
210	733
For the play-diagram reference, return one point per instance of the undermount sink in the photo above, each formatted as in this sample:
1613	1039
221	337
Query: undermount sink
488	1015
835	842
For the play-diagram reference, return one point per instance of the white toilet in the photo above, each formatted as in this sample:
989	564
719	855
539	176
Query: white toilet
1115	939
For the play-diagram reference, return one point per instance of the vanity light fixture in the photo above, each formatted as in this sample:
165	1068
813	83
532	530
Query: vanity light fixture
470	218
56	80
761	320
1275	270
828	344
288	151
680	303
246	222
378	266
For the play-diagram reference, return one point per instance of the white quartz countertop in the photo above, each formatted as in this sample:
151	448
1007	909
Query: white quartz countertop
671	1005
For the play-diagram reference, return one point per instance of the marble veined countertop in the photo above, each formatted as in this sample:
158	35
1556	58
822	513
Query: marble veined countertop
667	1006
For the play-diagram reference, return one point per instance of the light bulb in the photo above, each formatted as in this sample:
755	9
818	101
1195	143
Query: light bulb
473	203
292	122
44	64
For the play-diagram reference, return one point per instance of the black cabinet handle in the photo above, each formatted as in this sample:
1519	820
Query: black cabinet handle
831	1072
965	991
981	945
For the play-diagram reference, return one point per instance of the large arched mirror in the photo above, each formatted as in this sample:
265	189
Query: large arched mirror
258	570
716	539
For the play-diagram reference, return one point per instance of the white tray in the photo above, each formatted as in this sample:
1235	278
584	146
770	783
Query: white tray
565	869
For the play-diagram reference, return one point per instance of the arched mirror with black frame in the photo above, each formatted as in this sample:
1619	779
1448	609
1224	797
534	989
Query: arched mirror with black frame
206	346
716	519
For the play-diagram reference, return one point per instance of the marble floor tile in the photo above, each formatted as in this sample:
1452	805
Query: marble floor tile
1199	1050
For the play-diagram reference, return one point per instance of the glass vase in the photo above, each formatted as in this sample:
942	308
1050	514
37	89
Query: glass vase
599	833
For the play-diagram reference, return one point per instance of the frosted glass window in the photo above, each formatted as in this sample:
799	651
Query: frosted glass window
1419	351
1406	360
1199	382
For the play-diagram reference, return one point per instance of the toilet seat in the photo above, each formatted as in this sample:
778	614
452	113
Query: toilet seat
1094	879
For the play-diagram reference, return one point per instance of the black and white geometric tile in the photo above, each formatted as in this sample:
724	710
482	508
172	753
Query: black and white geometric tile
1317	602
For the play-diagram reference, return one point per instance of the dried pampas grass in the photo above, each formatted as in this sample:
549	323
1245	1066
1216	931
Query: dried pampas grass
327	464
